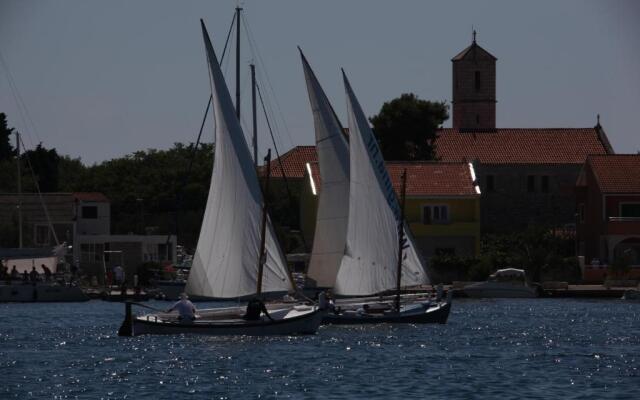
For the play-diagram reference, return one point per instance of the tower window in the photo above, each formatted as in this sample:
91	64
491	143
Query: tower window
545	184
531	183
490	183
478	84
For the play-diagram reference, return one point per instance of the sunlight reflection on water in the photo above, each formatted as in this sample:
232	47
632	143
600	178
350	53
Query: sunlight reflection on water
538	348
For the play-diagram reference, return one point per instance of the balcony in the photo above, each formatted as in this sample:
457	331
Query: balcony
624	219
623	225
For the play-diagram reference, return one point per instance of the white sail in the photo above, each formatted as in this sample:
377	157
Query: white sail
225	264
369	264
333	156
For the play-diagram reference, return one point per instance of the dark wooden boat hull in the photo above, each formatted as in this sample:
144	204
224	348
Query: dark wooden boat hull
304	324
432	315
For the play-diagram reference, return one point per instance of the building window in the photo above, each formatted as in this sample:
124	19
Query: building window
90	212
544	184
490	184
581	213
478	85
435	214
630	210
531	184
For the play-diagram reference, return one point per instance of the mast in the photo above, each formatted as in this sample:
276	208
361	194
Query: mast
400	237
255	117
263	228
238	9
19	191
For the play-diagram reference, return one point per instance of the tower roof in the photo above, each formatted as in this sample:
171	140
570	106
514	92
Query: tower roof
474	51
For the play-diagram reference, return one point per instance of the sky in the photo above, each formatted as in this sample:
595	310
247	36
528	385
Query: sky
102	79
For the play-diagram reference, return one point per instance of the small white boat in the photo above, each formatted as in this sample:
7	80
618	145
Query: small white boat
237	255
366	248
41	292
504	283
282	320
415	311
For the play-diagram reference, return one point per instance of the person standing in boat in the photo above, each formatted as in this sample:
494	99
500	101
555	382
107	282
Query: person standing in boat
15	275
47	272
186	309
34	275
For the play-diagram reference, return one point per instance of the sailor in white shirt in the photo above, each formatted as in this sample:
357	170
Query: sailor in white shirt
186	309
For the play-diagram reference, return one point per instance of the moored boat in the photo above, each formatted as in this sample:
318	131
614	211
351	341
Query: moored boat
41	292
504	283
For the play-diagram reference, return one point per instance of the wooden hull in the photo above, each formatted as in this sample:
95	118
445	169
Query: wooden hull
437	314
300	323
41	292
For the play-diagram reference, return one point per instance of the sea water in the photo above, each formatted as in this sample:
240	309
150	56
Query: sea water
490	349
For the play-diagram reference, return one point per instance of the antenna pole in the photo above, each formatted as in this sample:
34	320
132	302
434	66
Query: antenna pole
255	116
400	237
262	256
19	191
238	9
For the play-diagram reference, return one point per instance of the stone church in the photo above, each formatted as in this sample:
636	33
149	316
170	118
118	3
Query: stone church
527	175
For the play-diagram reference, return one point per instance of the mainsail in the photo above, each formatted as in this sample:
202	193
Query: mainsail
369	263
225	264
333	156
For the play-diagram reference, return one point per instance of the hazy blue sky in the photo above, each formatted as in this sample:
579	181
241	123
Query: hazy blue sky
101	79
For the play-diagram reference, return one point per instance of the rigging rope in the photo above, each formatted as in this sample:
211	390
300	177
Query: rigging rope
284	175
22	108
35	181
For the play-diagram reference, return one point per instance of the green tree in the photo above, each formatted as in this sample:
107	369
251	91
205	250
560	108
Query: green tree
44	163
6	150
406	127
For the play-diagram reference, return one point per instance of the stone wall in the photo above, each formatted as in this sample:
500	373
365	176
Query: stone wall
510	206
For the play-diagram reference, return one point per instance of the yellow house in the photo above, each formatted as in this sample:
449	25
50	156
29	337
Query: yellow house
442	205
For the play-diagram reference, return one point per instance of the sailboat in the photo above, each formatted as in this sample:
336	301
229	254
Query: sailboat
376	251
237	253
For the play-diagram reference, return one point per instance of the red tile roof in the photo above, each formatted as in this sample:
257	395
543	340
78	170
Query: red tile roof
90	196
293	162
424	178
619	173
521	145
501	146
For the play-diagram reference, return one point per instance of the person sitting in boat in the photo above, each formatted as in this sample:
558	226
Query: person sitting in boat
186	309
255	307
14	273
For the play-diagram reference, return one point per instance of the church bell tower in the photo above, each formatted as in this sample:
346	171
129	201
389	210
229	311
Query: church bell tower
474	89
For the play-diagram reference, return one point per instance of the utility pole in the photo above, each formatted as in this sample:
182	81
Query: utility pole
19	191
238	9
255	117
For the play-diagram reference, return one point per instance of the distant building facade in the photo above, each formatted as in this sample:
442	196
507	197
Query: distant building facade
527	175
82	221
608	205
442	205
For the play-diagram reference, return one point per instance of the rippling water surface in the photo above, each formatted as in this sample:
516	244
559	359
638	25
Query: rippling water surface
538	348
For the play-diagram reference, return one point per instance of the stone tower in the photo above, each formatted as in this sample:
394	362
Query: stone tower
474	89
